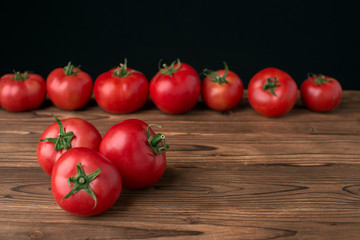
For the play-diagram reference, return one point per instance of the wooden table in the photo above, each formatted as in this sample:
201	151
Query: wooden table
232	175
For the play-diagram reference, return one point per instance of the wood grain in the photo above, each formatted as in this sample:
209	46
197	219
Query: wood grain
230	175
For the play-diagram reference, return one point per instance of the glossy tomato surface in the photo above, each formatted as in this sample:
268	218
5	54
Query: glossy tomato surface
272	92
126	144
176	91
222	91
22	92
106	186
69	91
85	135
321	93
121	94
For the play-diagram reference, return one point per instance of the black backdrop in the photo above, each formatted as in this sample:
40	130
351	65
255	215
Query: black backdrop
296	36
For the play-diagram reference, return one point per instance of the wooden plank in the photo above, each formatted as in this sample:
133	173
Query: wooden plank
233	175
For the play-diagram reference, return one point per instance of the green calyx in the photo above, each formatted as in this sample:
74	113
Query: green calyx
319	78
121	71
20	77
63	140
170	70
155	140
215	77
69	70
82	181
271	84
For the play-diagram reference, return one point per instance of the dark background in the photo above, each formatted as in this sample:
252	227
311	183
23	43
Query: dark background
295	36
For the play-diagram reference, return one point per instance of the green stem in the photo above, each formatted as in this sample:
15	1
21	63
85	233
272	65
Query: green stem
20	77
155	140
63	141
121	71
271	84
170	70
82	181
215	77
69	70
319	78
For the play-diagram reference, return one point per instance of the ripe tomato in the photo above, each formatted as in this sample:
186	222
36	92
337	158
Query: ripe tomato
176	88
121	90
320	93
69	88
84	182
21	92
137	151
221	90
272	92
63	135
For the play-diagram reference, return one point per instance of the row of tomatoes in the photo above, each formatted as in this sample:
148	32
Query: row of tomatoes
88	171
175	89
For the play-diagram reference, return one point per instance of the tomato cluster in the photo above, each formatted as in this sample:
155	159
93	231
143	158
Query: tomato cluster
175	89
88	172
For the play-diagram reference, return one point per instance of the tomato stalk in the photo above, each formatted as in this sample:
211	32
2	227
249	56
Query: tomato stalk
170	70
20	77
215	77
155	140
69	70
271	84
319	78
63	140
121	71
82	181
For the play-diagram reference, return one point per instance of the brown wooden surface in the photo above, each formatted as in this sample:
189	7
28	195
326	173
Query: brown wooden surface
233	175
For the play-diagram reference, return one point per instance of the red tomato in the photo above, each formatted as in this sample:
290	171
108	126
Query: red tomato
21	92
63	135
221	90
176	88
121	90
85	183
137	151
69	88
272	92
320	93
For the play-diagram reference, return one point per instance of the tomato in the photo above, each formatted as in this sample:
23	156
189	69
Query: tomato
221	90
121	90
137	151
63	135
272	92
176	88
320	93
69	88
21	92
85	183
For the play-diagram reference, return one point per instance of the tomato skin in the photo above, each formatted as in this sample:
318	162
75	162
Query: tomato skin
263	101
24	95
176	93
106	186
69	92
321	97
121	94
126	144
85	135
222	96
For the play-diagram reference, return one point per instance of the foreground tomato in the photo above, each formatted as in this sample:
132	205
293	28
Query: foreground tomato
320	93
121	90
221	90
137	151
69	88
176	88
21	92
63	135
85	183
272	92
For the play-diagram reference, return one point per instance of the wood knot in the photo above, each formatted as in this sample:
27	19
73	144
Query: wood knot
192	220
7	196
35	234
